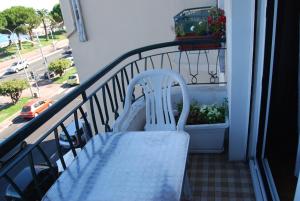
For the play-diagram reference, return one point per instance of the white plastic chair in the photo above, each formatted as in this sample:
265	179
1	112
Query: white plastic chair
156	85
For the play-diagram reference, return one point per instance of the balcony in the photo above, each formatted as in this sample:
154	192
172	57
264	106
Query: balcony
93	108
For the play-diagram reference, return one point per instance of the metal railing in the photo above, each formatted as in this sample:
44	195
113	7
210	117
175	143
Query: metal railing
98	102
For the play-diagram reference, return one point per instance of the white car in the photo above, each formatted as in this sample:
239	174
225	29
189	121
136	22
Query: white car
74	135
73	80
17	66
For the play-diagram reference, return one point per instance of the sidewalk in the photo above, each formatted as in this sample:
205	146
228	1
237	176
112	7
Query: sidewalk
47	91
35	54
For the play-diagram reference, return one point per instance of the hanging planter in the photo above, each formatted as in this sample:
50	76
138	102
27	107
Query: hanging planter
204	24
206	42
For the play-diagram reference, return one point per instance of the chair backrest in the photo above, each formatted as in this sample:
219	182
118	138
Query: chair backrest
156	86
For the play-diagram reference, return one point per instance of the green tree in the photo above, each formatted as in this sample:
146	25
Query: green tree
16	18
13	89
43	14
59	66
33	21
56	13
3	22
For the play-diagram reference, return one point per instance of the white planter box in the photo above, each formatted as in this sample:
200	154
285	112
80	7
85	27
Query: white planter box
207	138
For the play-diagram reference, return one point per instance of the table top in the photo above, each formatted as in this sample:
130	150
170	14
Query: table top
68	158
125	166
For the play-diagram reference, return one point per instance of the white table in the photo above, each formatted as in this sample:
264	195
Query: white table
129	166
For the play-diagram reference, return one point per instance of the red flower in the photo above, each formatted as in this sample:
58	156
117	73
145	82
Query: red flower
222	19
209	19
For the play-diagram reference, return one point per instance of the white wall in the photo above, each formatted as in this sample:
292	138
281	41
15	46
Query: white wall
221	4
115	27
199	3
240	23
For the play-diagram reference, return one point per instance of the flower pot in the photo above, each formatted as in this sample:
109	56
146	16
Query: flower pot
209	42
207	138
204	138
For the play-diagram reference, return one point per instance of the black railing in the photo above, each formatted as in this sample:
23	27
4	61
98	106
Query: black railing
94	105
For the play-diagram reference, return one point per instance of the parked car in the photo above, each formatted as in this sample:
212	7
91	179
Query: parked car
34	108
74	135
50	75
70	58
25	182
73	79
17	66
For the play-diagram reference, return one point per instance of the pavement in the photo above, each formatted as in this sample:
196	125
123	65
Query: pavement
35	55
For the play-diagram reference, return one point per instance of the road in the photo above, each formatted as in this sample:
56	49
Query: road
38	67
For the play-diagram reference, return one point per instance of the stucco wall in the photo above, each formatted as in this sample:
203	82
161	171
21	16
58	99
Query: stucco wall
115	27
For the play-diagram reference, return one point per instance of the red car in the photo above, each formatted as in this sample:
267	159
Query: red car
34	108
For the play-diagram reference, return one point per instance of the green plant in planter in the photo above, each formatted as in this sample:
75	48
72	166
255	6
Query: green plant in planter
208	22
179	30
206	114
201	28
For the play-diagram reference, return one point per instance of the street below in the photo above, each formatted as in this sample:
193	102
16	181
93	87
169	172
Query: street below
37	67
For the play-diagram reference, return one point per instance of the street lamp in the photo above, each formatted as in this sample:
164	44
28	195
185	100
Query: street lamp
12	33
42	53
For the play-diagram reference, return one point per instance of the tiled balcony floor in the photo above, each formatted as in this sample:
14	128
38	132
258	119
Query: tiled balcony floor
214	178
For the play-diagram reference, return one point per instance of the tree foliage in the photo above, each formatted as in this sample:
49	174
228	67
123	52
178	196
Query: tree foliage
33	21
3	22
13	89
59	66
17	17
56	13
43	14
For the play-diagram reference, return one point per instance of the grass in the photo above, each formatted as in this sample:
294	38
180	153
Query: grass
11	109
7	52
64	77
